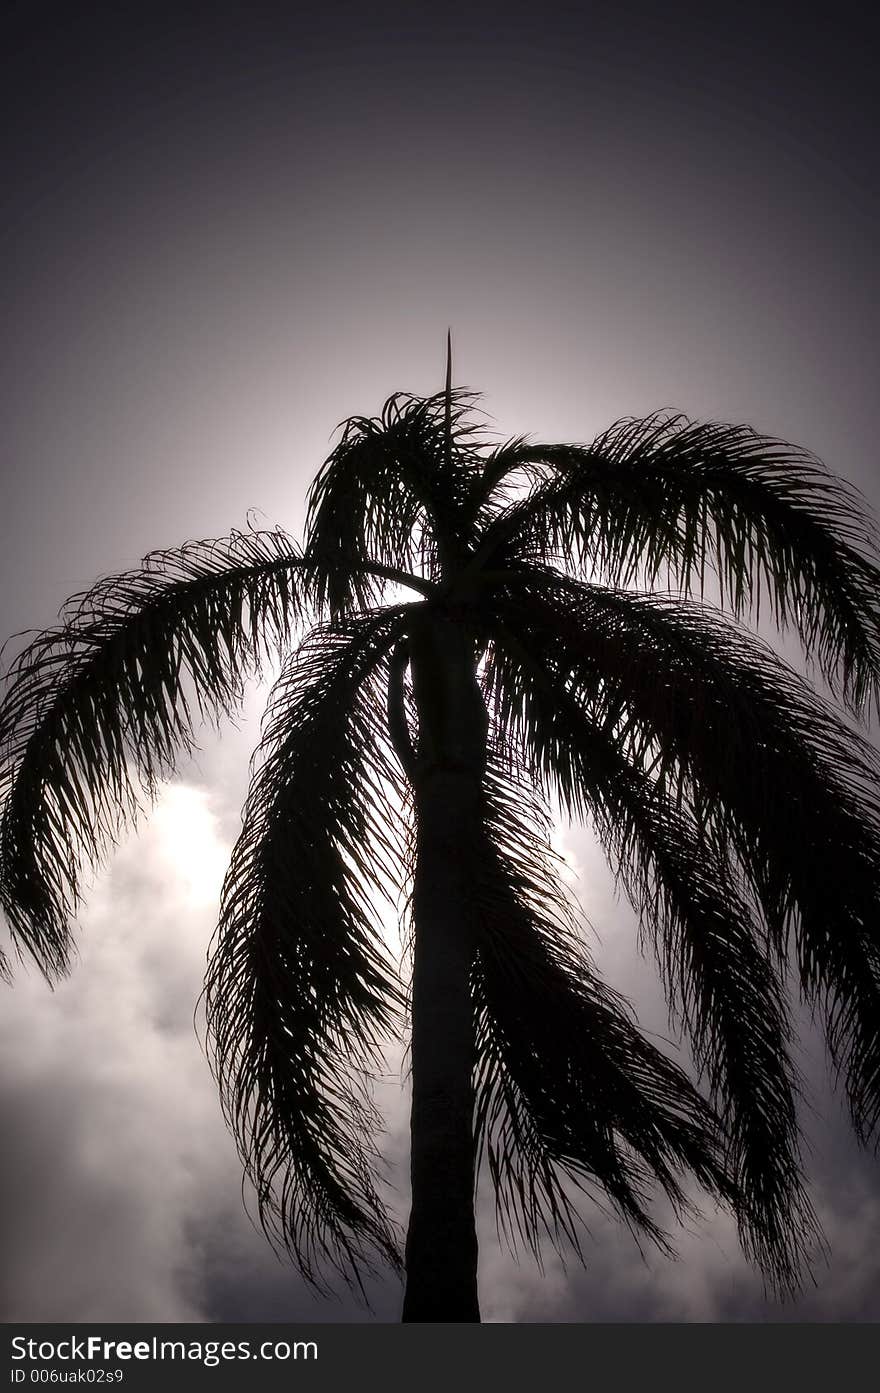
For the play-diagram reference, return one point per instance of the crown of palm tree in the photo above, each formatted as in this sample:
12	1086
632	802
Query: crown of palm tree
738	808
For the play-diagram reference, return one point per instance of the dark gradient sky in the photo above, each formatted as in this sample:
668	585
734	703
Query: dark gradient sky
220	241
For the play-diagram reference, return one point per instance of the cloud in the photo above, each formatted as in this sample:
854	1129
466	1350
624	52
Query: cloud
109	1106
119	1184
121	1189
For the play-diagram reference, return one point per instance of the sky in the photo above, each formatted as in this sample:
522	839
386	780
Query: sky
220	240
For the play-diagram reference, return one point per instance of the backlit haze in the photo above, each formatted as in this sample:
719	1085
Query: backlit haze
220	242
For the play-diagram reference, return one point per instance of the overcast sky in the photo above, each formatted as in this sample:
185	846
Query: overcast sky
218	244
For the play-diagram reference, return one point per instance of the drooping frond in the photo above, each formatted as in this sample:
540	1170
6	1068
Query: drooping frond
774	780
708	944
668	499
107	701
569	1094
390	493
298	991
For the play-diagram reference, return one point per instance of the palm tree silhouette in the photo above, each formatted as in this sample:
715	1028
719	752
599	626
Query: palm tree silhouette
419	741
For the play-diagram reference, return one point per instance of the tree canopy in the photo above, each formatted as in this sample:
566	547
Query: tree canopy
603	595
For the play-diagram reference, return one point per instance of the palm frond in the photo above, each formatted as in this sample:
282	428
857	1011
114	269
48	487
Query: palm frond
719	981
505	470
774	780
390	492
569	1094
102	706
667	497
298	992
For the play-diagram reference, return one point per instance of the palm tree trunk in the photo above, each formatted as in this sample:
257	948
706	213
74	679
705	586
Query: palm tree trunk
441	1245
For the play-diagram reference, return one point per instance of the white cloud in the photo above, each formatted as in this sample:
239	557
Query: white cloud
121	1185
116	1144
122	1189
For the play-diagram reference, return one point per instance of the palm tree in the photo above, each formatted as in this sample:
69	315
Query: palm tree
470	632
